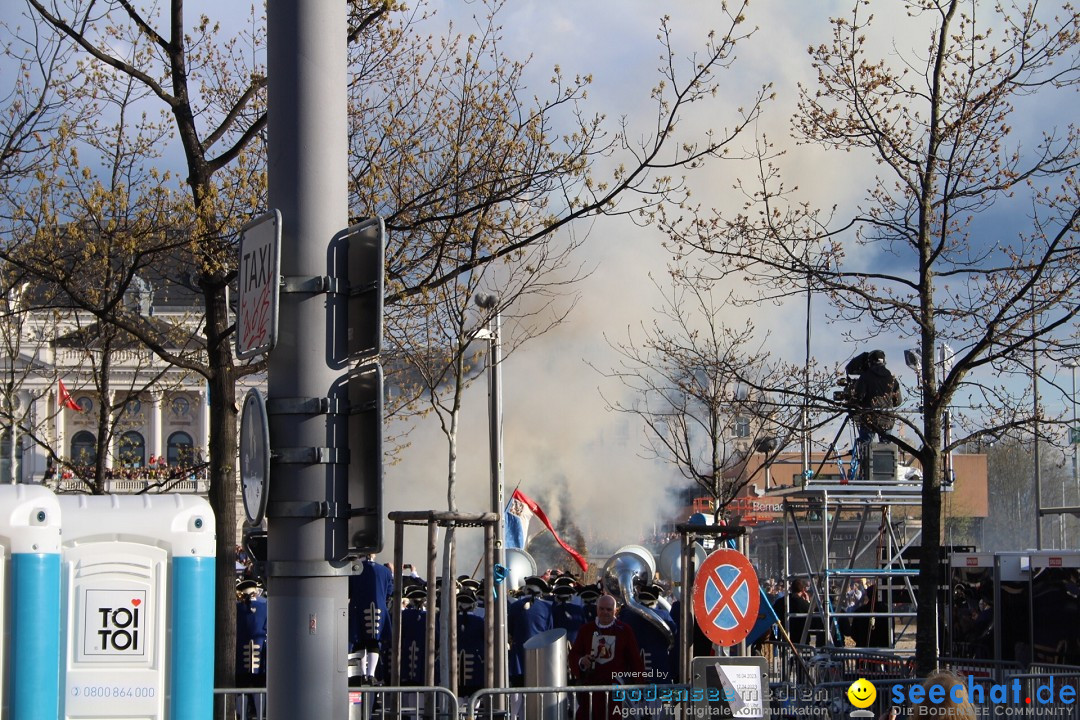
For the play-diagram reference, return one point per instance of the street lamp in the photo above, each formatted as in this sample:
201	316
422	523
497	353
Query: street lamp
493	334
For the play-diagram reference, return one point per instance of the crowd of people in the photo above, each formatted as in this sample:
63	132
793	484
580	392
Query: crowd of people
605	641
156	470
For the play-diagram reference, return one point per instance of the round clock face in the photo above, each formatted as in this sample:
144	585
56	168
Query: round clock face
254	456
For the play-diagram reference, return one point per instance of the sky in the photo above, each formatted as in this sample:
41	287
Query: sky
560	439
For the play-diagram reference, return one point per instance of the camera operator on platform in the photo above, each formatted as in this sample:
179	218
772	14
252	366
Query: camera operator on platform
875	393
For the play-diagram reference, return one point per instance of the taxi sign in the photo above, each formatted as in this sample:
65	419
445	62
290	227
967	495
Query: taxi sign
726	597
258	285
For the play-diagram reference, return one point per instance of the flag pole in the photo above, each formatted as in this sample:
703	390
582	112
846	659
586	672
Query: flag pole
502	539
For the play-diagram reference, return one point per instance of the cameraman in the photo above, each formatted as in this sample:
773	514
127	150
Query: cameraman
876	391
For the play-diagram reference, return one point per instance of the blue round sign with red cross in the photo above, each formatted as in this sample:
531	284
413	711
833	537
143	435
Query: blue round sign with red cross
726	597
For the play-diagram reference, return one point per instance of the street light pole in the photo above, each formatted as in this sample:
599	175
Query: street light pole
1072	365
498	503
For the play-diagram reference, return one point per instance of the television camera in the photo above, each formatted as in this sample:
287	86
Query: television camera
855	367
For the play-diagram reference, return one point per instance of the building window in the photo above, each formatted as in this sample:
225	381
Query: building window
133	407
83	446
132	449
85	404
742	426
181	449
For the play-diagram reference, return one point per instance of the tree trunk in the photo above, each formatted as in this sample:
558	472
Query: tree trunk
222	495
926	646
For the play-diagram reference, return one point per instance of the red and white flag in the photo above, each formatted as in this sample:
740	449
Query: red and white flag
66	401
519	512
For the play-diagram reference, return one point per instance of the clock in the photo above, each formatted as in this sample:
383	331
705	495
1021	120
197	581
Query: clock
254	456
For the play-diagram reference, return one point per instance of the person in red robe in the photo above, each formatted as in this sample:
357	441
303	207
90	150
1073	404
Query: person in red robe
605	653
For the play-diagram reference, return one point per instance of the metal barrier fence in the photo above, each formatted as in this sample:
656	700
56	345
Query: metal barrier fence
384	703
998	691
564	703
250	703
995	670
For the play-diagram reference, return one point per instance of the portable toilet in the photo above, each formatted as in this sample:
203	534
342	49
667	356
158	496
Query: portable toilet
138	605
29	602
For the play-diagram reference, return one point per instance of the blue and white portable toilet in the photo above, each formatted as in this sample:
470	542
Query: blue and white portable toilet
29	603
138	574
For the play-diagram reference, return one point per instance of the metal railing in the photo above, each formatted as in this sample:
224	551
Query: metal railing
250	703
597	702
1054	695
385	703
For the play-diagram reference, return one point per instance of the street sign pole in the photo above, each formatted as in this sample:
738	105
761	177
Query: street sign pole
307	404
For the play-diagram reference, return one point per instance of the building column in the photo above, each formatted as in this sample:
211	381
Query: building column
53	399
28	450
154	429
110	453
203	443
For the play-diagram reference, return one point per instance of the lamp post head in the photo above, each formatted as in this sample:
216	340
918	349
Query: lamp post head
486	300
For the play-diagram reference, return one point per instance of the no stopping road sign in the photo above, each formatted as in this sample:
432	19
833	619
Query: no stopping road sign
726	597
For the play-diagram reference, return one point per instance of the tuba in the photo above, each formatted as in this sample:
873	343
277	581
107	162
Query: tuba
671	563
519	565
629	565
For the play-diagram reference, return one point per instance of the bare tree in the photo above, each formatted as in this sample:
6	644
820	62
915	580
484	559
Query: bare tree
686	373
939	125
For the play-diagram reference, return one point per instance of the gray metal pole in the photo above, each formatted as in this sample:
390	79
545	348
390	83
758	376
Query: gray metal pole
498	502
1071	364
307	150
1035	418
498	483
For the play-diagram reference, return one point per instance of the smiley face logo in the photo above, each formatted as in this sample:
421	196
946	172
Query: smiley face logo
862	693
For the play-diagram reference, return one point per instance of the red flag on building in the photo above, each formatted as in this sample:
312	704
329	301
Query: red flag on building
66	401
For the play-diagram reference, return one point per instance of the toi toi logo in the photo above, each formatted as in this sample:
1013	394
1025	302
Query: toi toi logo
120	627
115	622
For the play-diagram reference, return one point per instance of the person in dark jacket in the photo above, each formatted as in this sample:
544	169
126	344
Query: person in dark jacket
658	655
799	601
876	392
414	636
527	616
369	615
470	639
251	631
567	614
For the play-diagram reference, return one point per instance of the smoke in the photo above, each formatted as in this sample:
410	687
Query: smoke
560	439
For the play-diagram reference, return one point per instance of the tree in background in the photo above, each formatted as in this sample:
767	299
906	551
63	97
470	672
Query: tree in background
930	259
1010	521
687	373
142	82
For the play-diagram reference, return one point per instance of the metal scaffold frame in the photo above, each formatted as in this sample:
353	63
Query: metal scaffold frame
866	501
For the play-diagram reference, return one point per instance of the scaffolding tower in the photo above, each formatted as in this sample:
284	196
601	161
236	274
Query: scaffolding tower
814	515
